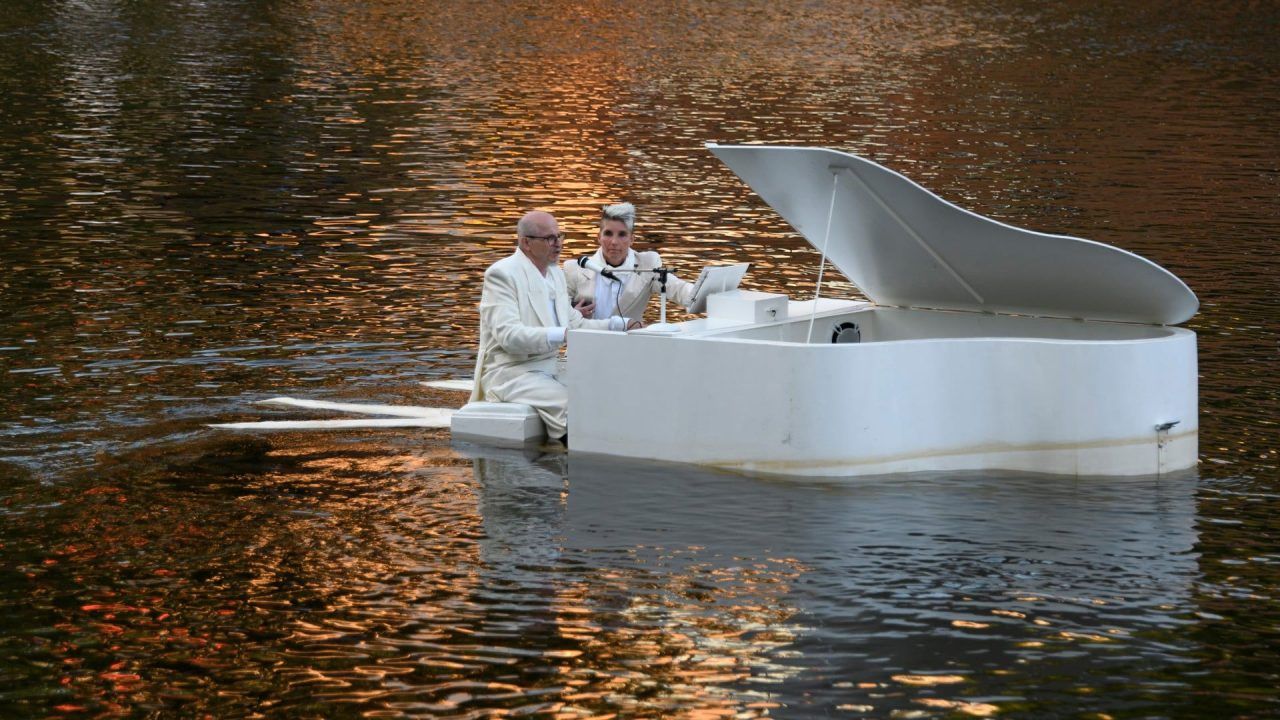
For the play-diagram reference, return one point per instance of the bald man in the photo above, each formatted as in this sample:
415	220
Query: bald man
525	317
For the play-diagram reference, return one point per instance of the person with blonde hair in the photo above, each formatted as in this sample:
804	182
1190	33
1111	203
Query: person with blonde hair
628	294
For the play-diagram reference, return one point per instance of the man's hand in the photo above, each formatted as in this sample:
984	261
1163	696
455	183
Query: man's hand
585	306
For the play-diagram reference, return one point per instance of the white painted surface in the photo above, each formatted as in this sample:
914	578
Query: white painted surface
747	306
1043	404
409	411
498	423
397	416
439	421
713	280
459	384
903	245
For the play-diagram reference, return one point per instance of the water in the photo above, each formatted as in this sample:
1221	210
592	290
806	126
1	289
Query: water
204	204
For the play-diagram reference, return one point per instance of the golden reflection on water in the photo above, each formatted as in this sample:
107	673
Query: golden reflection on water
207	204
404	576
672	655
655	630
403	582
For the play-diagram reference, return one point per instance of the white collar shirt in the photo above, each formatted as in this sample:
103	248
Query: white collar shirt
551	300
607	297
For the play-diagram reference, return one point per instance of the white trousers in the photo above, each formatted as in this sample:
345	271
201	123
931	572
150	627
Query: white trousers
538	389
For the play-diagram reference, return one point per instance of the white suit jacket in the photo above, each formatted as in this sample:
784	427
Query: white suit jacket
514	318
637	288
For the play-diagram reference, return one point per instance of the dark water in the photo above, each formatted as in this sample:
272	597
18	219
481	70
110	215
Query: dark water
203	203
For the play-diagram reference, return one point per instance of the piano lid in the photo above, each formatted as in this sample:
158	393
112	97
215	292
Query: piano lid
903	245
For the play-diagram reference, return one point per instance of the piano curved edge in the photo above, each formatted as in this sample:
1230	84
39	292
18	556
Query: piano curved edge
1013	403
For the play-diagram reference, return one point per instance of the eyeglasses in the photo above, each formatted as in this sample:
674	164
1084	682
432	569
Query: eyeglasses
558	237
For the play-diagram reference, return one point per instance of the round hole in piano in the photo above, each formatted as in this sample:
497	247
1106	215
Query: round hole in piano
846	332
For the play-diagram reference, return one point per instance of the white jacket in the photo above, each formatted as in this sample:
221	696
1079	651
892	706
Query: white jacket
514	318
637	288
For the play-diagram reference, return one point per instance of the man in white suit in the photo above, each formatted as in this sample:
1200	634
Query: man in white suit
525	317
598	296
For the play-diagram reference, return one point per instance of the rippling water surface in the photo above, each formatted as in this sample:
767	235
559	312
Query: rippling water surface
205	203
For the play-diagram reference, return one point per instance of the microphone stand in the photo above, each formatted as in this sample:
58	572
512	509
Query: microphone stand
662	326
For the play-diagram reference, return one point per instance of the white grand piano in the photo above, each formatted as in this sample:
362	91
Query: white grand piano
982	346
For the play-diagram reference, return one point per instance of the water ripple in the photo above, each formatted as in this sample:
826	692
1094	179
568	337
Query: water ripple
208	203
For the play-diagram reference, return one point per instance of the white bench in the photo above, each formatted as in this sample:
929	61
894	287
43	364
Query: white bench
498	423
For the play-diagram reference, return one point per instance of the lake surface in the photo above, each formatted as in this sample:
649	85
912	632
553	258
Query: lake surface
203	204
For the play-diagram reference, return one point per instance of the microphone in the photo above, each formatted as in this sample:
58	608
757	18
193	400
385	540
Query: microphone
591	263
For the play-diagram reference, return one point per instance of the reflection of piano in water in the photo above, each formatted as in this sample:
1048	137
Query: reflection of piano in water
643	616
521	495
879	593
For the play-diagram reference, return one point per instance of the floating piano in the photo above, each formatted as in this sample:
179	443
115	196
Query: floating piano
983	346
